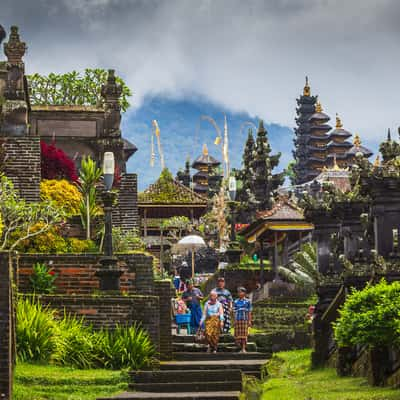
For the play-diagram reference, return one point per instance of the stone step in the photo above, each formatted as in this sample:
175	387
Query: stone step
222	347
231	395
186	375
202	356
244	365
191	339
180	387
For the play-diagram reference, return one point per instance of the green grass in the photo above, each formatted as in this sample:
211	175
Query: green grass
47	382
290	378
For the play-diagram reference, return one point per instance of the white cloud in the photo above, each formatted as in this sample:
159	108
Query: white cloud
245	55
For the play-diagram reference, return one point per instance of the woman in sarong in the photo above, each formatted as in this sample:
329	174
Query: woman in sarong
225	298
242	312
213	317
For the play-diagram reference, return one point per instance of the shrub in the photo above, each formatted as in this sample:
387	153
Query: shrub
69	342
126	241
63	194
125	347
55	164
35	331
42	279
370	317
81	246
75	343
47	242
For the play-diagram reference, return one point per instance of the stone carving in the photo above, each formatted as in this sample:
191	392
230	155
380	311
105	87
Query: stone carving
111	93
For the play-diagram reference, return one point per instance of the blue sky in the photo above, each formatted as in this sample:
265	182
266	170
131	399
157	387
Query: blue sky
183	134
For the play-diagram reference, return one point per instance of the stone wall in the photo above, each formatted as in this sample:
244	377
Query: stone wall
76	273
108	311
126	214
22	165
6	329
165	292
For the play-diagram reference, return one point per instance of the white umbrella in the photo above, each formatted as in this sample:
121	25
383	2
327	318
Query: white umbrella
192	243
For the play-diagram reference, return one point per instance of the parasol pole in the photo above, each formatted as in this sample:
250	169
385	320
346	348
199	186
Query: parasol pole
192	262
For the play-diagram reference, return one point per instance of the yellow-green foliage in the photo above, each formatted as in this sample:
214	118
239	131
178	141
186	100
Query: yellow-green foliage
63	193
52	241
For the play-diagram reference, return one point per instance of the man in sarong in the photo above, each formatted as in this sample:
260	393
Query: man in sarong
242	309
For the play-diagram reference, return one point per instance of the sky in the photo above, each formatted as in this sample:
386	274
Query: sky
248	59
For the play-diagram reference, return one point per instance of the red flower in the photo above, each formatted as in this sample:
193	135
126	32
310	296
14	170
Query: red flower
55	164
52	273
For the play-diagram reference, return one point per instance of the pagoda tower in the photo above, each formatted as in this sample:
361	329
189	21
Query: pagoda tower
305	109
338	147
316	148
358	148
208	178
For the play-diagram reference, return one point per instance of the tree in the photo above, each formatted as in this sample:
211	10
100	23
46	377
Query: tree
73	88
89	177
245	196
21	219
265	182
55	164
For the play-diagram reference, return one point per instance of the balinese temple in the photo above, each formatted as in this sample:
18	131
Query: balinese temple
355	149
338	148
317	147
305	109
279	232
207	179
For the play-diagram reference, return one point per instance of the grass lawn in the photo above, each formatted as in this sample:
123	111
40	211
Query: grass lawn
48	382
292	379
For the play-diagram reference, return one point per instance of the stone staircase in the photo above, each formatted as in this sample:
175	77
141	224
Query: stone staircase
197	375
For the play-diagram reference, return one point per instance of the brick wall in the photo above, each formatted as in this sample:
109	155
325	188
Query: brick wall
165	292
108	311
22	165
126	214
76	273
6	329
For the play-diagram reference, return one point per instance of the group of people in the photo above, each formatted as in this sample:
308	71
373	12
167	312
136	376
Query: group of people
216	314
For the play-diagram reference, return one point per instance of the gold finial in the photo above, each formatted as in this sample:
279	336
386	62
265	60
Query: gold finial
357	140
335	164
318	107
205	150
307	90
377	161
338	122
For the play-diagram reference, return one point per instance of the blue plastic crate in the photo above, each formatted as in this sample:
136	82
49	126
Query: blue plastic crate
182	318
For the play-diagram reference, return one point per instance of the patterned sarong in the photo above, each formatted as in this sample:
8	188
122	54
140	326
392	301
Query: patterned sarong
213	329
227	317
241	330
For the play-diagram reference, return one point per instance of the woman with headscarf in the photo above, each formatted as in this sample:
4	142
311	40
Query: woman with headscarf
213	317
225	298
242	312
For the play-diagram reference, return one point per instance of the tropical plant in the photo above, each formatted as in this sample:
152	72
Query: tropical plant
303	269
42	279
75	343
89	177
34	331
55	163
126	241
63	194
73	88
176	226
370	317
21	219
125	347
44	336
